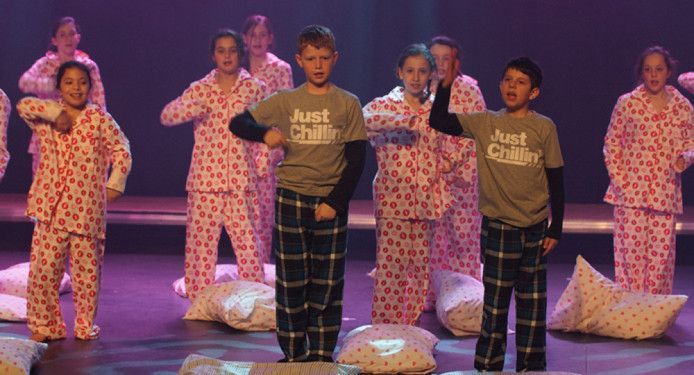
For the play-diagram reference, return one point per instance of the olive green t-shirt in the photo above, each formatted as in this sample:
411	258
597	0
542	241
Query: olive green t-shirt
512	154
317	128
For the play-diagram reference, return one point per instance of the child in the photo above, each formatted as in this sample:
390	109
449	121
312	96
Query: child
221	182
686	80
457	233
408	189
277	75
649	143
520	168
40	79
321	128
67	200
4	120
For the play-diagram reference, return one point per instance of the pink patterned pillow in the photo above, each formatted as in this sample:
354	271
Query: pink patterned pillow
244	305
459	302
18	355
13	308
224	273
389	348
593	304
14	280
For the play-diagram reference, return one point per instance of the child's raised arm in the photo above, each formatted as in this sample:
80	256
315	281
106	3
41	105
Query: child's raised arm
686	80
37	80
378	119
187	107
37	112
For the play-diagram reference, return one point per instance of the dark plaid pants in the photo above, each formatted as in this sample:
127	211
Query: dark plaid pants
513	260
310	259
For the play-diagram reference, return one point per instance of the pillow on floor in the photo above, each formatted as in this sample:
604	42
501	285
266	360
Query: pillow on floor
196	364
18	355
244	305
459	302
14	280
224	273
389	348
594	304
13	308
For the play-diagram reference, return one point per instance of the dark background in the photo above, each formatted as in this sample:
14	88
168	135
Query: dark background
149	51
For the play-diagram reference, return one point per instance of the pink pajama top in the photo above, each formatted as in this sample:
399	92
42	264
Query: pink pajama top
69	188
641	147
408	183
221	161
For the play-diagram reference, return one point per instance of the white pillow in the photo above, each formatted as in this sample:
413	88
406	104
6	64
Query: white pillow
14	281
459	302
13	308
196	364
389	348
224	273
18	355
593	304
244	305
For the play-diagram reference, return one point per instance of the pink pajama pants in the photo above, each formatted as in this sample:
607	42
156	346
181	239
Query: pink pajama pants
644	249
402	270
207	213
49	247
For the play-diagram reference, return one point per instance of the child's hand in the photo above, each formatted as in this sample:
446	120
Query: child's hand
273	138
112	195
325	212
679	164
549	244
446	165
63	123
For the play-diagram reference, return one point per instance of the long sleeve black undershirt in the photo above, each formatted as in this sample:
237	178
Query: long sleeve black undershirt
555	182
246	127
439	118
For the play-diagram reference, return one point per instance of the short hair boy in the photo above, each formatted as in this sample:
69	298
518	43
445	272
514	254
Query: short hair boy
520	169
321	128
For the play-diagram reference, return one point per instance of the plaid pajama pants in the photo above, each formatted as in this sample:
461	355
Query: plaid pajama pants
513	260
310	258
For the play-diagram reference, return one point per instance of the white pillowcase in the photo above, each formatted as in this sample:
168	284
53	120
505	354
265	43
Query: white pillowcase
244	305
389	348
224	273
459	302
13	308
14	281
196	364
594	304
18	355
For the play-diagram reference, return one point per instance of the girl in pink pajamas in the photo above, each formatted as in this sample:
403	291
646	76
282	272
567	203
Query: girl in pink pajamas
222	178
277	75
407	189
649	143
4	120
40	79
456	244
67	200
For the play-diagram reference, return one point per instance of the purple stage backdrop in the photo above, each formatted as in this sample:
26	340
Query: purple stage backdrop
149	51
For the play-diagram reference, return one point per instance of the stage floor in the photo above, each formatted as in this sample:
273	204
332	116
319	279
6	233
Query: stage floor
143	333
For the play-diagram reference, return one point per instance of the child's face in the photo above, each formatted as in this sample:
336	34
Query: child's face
66	39
415	73
516	90
258	40
74	88
226	55
444	56
317	63
655	73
